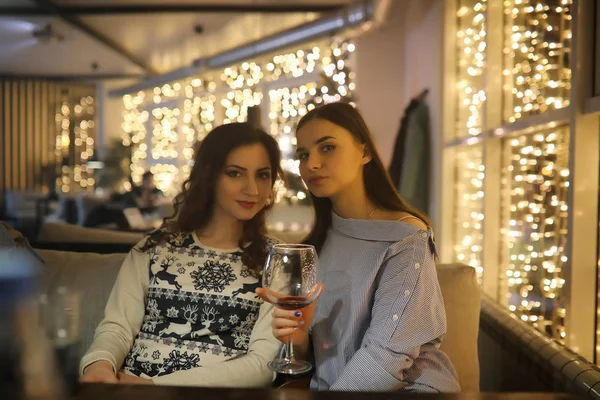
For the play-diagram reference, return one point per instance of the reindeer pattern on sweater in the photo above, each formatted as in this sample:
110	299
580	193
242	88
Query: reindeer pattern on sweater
200	308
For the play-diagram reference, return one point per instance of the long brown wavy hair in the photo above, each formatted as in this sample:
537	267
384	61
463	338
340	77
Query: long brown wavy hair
193	206
377	182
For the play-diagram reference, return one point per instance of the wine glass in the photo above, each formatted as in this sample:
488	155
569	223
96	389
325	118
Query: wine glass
290	283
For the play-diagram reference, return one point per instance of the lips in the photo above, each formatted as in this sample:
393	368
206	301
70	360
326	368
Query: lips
316	180
247	204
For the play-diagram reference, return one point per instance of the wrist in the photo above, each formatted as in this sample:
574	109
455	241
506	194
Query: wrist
100	364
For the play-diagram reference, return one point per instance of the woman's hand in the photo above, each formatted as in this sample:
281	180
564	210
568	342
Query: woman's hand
135	380
294	323
99	372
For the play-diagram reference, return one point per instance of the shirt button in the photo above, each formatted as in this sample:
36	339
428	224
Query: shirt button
395	317
417	266
406	293
424	235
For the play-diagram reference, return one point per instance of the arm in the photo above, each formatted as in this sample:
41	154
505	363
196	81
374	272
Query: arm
123	314
400	348
249	370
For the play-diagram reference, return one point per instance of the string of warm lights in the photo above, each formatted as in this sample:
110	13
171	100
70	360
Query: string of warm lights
180	114
294	64
176	126
468	215
134	134
198	119
535	228
76	119
535	181
470	172
538	74
287	105
244	75
236	104
337	78
471	56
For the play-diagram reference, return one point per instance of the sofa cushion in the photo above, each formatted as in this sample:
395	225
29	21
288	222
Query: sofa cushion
462	298
89	274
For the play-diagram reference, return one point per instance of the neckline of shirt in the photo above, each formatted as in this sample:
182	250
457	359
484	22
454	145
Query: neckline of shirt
220	250
377	230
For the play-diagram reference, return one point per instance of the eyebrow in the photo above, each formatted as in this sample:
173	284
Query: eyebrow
320	140
246	169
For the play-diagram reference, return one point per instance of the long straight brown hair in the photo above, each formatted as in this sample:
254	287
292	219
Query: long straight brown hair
377	182
194	205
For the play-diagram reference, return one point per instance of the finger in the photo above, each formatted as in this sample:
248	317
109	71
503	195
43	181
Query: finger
282	334
285	323
289	314
262	294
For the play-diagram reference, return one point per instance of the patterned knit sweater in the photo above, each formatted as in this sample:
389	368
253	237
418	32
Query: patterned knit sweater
183	313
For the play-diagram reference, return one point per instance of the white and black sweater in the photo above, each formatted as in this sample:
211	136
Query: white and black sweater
199	309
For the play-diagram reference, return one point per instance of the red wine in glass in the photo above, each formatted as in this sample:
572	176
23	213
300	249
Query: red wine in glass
293	302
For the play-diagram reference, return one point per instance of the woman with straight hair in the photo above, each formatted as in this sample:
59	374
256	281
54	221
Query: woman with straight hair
380	319
183	309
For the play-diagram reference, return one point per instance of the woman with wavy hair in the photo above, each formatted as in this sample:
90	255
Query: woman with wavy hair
183	309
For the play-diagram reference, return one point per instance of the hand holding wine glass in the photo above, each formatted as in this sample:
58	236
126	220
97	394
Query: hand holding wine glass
290	283
294	323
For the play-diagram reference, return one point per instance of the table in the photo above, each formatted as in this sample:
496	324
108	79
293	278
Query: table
133	392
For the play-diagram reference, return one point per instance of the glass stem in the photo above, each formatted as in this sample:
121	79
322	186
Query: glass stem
289	352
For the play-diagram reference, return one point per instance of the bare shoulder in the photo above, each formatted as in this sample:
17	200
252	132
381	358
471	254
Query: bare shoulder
406	218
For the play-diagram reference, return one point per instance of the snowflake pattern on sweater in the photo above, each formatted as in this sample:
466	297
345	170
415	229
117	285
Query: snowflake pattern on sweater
200	308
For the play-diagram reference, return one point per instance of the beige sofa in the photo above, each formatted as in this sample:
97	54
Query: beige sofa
93	276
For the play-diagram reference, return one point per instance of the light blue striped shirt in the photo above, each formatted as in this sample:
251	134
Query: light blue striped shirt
380	321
